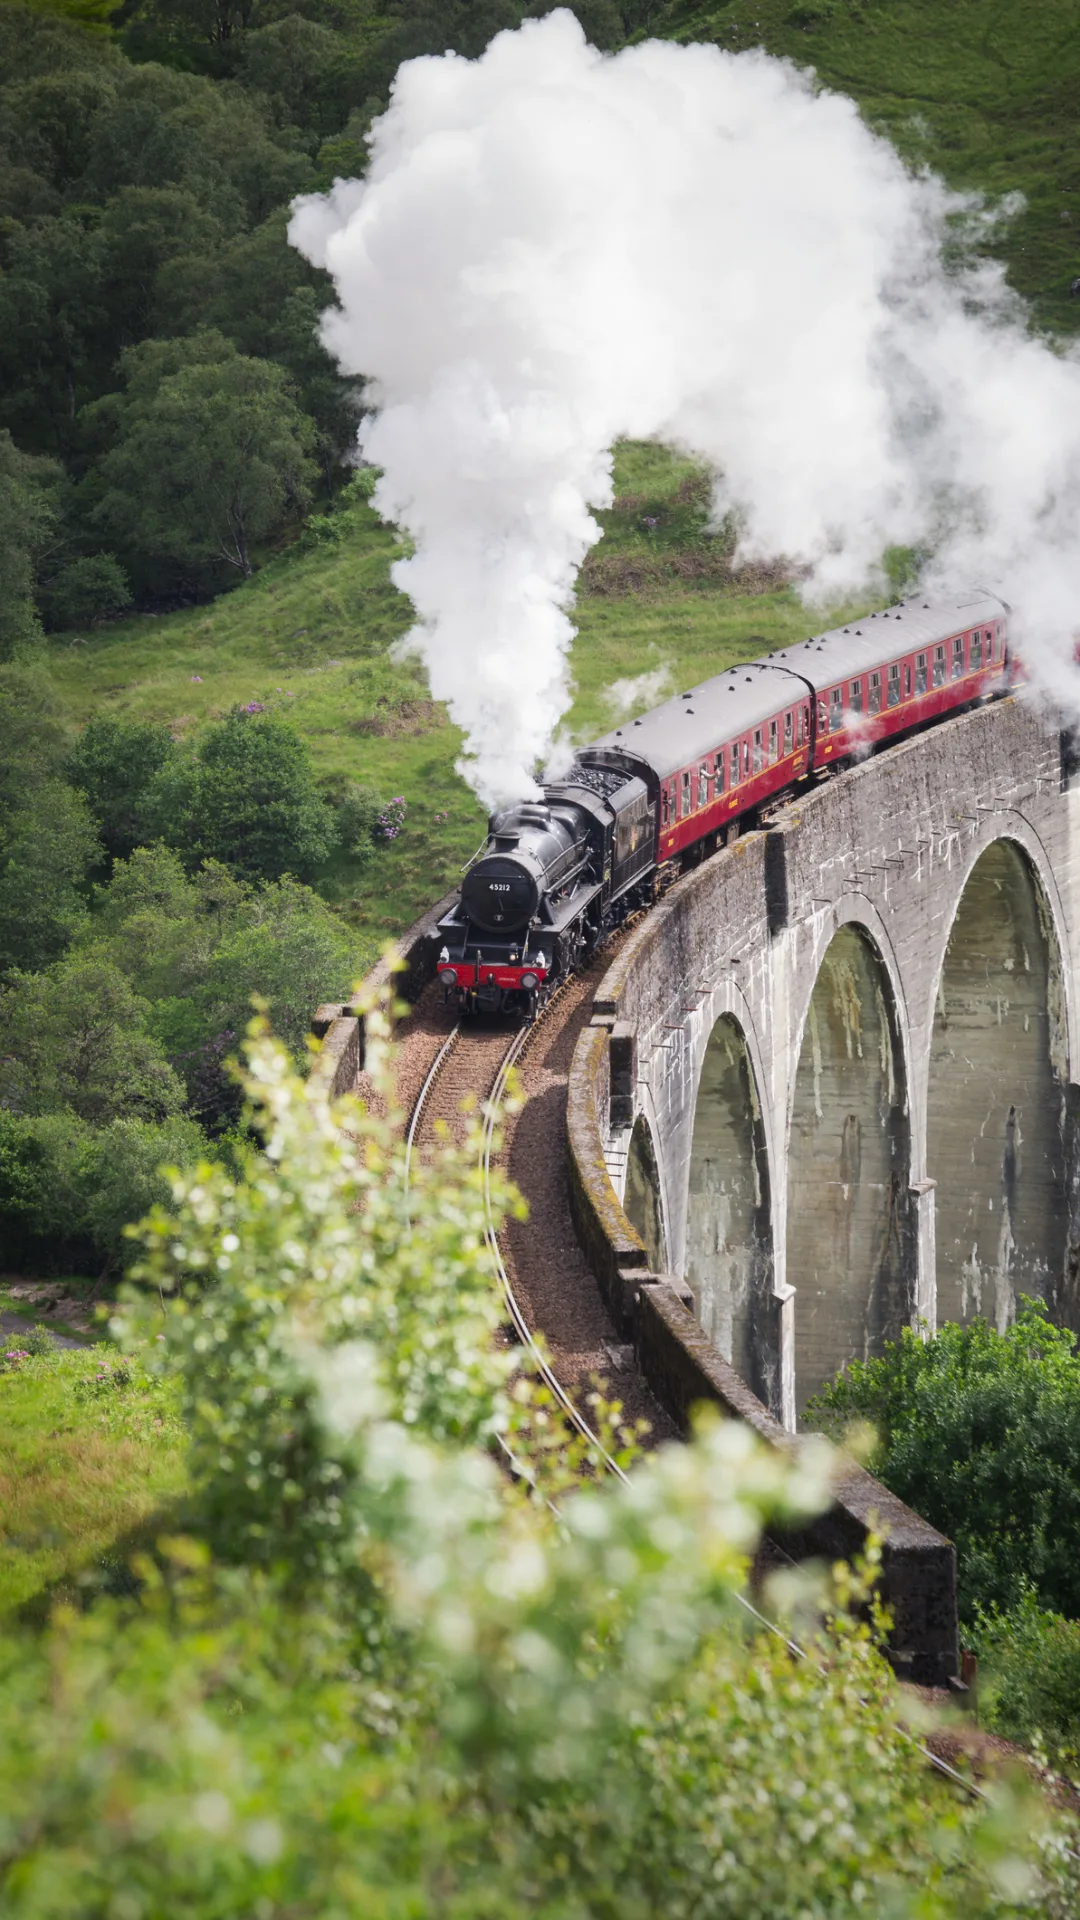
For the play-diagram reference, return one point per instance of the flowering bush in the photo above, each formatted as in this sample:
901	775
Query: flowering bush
391	819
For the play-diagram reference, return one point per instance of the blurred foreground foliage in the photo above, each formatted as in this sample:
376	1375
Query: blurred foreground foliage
365	1673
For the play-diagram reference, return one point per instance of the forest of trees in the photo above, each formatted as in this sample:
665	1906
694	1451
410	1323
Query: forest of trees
156	328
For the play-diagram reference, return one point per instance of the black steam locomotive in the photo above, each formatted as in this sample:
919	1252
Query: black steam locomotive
656	794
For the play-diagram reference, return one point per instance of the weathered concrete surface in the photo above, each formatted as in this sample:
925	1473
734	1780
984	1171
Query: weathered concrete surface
849	1249
998	1051
907	1020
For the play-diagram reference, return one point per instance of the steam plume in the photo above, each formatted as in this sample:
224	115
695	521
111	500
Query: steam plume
556	247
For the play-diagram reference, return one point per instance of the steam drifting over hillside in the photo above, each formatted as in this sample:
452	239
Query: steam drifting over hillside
556	247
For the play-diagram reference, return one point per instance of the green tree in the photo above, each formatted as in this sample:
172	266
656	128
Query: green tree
245	795
33	741
47	846
980	1432
43	1191
259	292
114	765
27	519
290	950
69	1189
91	588
123	1178
77	1037
210	457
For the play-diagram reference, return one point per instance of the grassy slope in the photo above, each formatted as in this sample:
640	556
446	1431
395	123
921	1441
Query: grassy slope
981	91
82	1465
310	635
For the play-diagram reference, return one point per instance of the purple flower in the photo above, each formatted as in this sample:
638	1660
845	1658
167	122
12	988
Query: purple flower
254	706
198	677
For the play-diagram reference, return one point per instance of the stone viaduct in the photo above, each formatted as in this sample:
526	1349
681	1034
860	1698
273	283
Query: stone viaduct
829	1083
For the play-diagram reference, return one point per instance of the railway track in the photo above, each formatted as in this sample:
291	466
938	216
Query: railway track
480	1063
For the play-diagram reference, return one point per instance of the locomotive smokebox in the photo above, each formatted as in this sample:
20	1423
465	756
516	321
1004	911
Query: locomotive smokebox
500	893
532	847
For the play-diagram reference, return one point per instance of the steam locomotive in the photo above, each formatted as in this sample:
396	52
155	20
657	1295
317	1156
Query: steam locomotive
656	795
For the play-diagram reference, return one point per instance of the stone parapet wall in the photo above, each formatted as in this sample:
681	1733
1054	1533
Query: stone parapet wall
340	1026
918	1571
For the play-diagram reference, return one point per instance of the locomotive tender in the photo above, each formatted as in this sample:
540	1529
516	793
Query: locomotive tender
656	795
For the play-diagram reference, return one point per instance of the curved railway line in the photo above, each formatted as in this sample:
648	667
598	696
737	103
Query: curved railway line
463	1061
480	1063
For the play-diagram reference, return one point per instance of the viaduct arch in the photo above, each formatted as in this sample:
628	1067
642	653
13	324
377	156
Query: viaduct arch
850	1044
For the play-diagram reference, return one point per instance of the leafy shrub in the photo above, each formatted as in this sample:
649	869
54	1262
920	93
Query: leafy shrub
245	795
68	1189
77	1038
92	588
114	764
392	818
30	1343
43	1225
48	842
356	812
1029	1679
980	1432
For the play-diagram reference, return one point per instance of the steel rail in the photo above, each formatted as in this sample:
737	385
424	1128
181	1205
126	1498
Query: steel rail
432	1075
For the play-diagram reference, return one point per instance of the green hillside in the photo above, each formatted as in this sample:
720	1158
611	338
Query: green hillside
309	638
983	95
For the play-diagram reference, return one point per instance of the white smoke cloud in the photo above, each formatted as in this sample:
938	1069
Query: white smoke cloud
638	691
556	247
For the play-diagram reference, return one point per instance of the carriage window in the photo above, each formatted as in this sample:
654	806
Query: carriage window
894	684
719	773
920	673
703	785
685	794
907	680
855	696
788	734
804	725
746	758
976	650
774	743
939	666
989	645
663	807
822	714
735	764
958	657
873	704
836	709
758	755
